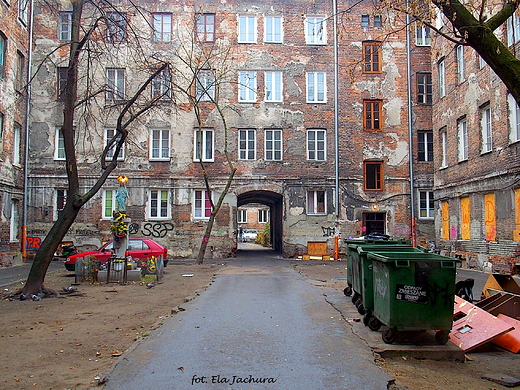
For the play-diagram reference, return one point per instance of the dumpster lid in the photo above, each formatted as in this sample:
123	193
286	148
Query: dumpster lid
413	256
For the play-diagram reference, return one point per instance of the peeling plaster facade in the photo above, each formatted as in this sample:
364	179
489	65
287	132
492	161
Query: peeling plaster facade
285	185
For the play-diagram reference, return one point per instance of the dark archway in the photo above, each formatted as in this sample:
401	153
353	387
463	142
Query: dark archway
275	203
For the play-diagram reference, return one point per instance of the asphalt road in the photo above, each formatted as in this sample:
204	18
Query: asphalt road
259	325
19	273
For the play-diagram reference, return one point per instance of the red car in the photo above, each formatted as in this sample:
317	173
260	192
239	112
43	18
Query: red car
138	249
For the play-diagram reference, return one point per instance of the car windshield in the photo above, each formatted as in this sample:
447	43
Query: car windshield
133	245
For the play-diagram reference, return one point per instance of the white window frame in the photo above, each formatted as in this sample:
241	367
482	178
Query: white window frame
247	87
14	221
116	27
242	216
162	85
208	141
441	70
247	29
109	133
205	27
315	30
247	144
462	131
444	147
316	145
65	26
513	29
514	119
422	35
273	145
205	86
425	199
273	29
461	65
23	11
116	80
425	138
486	128
313	202
162	209
162	26
263	215
160	144
199	205
17	138
109	203
59	145
3	55
316	87
273	86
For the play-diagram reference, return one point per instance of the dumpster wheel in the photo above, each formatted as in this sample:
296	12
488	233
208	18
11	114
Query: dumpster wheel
374	324
347	291
360	307
389	335
442	336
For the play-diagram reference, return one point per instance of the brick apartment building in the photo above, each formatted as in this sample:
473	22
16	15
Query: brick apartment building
14	43
476	141
293	155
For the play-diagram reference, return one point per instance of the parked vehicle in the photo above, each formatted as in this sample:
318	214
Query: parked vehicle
65	251
140	249
249	235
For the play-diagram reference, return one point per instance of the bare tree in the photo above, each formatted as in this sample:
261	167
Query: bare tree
87	32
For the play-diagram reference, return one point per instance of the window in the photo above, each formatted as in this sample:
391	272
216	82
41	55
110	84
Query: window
242	216
201	204
65	26
162	27
460	63
205	27
424	88
316	145
247	144
115	84
444	147
14	223
160	145
273	86
161	85
17	128
365	20
426	205
422	35
372	114
109	134
19	71
315	202
441	75
61	75
109	203
203	145
273	29
378	21
463	139
514	119
205	86
263	215
316	87
23	10
116	27
158	204
513	29
3	51
273	145
485	126
373	176
425	143
61	201
315	30
372	57
246	29
247	87
59	145
1	128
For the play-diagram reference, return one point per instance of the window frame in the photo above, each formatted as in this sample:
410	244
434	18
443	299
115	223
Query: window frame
372	115
424	88
247	144
23	11
245	35
19	77
59	145
316	87
241	215
2	125
106	206
159	22
316	202
444	147
163	204
311	36
514	119
204	142
461	64
365	20
425	146
205	30
316	145
486	128
462	135
205	86
373	176
162	85
513	29
65	26
61	196
273	144
17	143
247	86
160	147
426	204
198	210
273	81
441	77
263	215
422	35
3	54
61	82
372	58
116	27
272	23
109	133
115	85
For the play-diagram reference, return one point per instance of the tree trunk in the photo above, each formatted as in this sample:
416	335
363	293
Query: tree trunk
205	239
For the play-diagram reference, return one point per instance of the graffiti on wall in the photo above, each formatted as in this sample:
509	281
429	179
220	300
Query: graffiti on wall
33	243
157	229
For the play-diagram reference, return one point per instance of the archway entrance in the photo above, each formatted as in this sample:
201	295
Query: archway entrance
275	202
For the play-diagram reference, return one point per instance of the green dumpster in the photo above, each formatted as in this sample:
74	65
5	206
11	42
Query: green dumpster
414	291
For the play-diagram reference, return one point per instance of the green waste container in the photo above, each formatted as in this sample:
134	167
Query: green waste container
414	291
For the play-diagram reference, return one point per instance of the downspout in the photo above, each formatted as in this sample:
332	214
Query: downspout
27	112
410	132
336	131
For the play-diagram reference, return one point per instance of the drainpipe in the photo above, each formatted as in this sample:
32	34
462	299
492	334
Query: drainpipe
410	132
336	131
27	112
